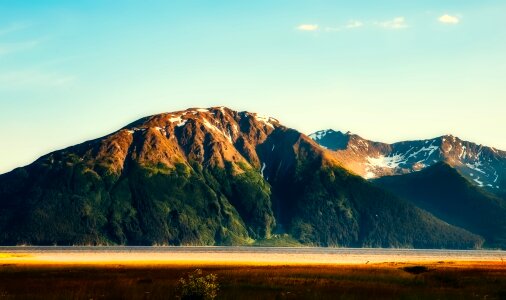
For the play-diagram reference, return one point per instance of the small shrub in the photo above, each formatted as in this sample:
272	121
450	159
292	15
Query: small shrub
196	285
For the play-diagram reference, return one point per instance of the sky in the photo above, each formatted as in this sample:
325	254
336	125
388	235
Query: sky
387	70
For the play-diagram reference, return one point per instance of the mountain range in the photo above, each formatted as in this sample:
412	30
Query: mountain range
222	177
484	166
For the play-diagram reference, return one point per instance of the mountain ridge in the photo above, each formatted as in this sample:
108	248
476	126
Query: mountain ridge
482	165
208	177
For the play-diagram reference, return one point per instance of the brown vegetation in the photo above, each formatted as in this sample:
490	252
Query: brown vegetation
442	280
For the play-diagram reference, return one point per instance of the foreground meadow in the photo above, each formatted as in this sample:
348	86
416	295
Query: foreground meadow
438	280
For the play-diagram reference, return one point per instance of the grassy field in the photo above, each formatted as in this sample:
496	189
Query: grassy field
444	280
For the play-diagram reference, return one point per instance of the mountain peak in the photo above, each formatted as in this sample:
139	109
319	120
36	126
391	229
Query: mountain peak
484	166
331	139
213	135
205	115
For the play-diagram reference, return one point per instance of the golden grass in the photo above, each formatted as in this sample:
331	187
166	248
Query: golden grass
13	255
229	258
123	275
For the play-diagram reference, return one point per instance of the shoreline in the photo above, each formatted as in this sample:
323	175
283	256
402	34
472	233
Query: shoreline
233	256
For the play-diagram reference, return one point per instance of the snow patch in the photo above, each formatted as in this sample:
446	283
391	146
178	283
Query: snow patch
262	170
178	120
462	152
369	175
477	180
476	166
214	128
319	134
409	150
386	161
265	120
428	151
228	135
211	126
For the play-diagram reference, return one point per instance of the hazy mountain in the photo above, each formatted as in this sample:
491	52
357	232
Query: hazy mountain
208	176
484	166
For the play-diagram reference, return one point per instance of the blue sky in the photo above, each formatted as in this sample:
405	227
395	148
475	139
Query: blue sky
387	70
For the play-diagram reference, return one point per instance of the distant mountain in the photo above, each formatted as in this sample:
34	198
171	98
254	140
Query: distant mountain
484	166
441	190
208	177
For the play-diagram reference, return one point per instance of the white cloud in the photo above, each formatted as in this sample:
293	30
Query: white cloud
447	19
396	23
308	27
354	24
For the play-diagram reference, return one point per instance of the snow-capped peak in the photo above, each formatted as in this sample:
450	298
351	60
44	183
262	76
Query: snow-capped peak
372	159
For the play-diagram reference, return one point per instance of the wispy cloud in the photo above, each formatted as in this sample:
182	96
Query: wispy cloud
10	47
308	27
448	19
6	48
36	76
33	79
396	23
13	28
354	24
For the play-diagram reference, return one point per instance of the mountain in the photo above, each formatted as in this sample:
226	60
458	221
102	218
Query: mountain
484	166
208	177
441	190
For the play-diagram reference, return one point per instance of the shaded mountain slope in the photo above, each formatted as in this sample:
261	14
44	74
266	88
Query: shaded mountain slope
441	190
